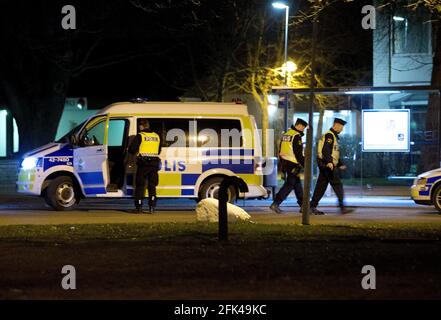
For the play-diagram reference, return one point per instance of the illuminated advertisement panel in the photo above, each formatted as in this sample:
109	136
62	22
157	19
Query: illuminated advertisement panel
386	130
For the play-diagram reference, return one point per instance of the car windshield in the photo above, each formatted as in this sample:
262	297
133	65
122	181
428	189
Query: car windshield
66	137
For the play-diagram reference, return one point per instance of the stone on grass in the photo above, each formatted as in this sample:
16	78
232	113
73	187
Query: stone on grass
207	210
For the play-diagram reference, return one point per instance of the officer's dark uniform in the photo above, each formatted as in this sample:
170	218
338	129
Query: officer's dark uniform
291	161
328	152
147	146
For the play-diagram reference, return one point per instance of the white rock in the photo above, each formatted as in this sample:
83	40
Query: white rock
207	210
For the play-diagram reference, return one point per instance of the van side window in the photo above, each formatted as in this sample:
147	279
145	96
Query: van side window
174	132
117	132
95	135
219	133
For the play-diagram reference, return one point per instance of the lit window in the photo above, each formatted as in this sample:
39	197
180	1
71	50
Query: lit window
16	145
411	32
3	133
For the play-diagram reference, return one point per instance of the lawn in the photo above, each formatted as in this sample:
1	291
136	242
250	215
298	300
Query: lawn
185	261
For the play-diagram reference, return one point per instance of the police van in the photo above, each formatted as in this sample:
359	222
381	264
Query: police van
426	189
201	144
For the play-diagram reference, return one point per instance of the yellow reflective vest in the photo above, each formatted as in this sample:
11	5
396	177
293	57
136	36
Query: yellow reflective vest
286	150
335	148
150	143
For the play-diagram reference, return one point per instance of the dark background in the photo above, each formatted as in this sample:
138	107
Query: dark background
160	50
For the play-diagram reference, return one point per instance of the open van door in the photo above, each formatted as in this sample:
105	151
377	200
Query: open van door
90	157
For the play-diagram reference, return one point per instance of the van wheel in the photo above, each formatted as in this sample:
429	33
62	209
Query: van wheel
61	194
210	189
436	198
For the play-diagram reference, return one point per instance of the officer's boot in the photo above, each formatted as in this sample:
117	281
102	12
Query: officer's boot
138	206
345	210
316	211
152	204
275	207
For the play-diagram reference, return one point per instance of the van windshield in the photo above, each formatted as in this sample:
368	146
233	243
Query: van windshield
66	137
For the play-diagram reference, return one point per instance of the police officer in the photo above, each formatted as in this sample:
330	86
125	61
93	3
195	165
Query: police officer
328	160
147	147
291	161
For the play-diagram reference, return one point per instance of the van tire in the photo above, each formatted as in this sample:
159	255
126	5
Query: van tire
436	198
211	186
61	194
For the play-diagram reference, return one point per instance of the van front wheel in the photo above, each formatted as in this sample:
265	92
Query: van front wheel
61	194
210	189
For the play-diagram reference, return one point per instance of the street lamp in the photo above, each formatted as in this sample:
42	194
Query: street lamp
289	66
284	5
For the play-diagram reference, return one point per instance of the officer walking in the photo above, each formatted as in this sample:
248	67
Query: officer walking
328	159
291	161
147	147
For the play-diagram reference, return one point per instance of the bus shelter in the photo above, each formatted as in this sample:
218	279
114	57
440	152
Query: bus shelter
392	133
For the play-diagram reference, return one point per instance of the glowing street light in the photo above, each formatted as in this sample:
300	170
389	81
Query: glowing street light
289	66
283	5
396	18
280	5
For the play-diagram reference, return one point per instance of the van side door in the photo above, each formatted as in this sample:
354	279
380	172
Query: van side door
90	157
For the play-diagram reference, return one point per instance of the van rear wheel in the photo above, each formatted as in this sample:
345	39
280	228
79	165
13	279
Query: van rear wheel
436	198
61	194
210	189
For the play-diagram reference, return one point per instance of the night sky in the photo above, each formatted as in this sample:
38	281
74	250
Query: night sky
151	38
166	32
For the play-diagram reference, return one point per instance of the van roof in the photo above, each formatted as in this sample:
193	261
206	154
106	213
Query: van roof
202	108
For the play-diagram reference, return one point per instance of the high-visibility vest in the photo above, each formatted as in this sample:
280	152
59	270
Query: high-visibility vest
335	148
149	146
286	150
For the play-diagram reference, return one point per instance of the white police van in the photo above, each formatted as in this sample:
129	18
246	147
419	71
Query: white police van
201	144
426	189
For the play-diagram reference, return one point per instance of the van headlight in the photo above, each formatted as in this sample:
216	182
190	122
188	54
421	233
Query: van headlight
421	181
29	163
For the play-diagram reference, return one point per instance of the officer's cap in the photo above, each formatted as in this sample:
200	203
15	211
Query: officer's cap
340	121
302	122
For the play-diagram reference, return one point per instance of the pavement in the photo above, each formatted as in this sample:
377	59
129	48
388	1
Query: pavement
16	209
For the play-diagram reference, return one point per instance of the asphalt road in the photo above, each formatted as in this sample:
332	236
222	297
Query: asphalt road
19	210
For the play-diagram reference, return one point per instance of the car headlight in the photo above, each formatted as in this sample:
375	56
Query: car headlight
29	163
421	181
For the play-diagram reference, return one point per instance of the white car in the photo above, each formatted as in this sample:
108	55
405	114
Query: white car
426	189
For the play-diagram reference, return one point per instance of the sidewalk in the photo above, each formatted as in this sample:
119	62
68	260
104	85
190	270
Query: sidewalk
16	199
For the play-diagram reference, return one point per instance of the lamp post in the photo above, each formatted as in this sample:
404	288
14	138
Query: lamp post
283	5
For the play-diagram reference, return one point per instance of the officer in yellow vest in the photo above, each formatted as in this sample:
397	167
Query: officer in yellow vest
147	147
329	163
291	161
